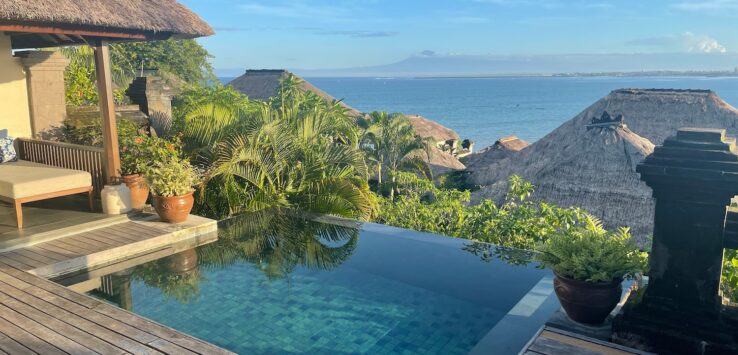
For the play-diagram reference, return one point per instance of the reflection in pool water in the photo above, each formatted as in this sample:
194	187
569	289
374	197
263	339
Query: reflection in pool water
276	282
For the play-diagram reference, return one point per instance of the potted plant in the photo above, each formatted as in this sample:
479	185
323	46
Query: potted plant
590	265
137	153
171	182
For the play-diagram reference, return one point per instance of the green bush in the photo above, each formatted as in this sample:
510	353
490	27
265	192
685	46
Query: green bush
139	152
517	222
730	275
91	135
591	253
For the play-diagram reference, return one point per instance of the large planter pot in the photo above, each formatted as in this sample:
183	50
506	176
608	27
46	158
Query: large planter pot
587	302
139	190
173	209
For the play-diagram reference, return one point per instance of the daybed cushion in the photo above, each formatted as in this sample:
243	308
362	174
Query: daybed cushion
24	179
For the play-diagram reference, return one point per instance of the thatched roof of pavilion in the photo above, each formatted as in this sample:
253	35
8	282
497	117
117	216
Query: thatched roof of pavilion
503	148
430	129
595	168
167	18
263	85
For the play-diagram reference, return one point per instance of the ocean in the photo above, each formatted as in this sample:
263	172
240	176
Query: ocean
485	109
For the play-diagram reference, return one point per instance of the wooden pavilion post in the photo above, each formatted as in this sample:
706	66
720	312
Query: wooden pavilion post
107	108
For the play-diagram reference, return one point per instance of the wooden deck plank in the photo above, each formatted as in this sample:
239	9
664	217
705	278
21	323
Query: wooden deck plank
60	327
553	341
99	238
169	348
41	331
22	260
49	286
136	231
39	316
68	254
80	249
78	322
548	346
10	346
27	339
45	258
48	253
159	330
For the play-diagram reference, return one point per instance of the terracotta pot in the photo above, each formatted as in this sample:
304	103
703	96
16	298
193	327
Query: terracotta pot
139	190
587	302
173	209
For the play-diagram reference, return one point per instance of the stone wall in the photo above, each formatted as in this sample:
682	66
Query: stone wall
14	112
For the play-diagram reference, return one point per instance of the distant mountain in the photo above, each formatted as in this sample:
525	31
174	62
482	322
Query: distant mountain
431	64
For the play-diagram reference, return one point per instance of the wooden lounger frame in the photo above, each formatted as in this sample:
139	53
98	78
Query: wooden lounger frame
18	202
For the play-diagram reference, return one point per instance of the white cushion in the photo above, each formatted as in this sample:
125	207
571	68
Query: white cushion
24	179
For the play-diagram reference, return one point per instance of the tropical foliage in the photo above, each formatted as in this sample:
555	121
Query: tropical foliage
184	60
390	145
295	151
139	152
730	275
516	222
590	253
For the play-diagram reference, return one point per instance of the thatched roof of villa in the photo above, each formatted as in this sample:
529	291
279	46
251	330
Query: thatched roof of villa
503	148
426	128
108	19
441	162
656	114
595	168
263	84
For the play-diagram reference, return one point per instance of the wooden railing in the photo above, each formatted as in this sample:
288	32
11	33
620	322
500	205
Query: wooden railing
65	155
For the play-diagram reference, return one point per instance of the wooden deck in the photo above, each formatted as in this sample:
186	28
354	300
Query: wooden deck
38	316
103	245
552	341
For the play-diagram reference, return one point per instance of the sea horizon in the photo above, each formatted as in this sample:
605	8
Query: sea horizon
485	109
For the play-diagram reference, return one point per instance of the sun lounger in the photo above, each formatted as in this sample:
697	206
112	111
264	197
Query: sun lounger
23	181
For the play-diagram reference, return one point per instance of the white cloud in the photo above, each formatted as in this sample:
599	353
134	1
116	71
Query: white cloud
706	5
686	42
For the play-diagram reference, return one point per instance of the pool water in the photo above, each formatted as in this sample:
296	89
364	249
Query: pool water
277	283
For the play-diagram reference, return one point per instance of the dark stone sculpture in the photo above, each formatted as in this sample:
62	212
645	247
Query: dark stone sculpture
606	120
693	175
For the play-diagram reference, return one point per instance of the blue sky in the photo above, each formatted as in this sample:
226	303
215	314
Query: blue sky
320	34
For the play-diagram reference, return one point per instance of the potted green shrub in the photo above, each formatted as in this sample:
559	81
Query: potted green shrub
137	153
590	265
171	181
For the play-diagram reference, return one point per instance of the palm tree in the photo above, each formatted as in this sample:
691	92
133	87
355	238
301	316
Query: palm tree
297	153
391	145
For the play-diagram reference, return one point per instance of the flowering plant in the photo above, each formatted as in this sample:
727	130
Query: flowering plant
139	152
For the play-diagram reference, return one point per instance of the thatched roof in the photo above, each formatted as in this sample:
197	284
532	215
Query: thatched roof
595	168
656	114
441	162
157	18
263	84
426	128
503	148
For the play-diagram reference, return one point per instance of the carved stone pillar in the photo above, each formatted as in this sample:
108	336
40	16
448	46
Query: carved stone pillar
693	175
154	96
45	80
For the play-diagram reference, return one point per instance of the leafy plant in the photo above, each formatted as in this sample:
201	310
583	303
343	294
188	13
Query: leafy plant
91	134
170	177
391	145
517	222
257	155
591	253
730	275
139	152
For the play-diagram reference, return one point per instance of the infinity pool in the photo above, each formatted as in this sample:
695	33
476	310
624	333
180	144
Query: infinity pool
277	283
